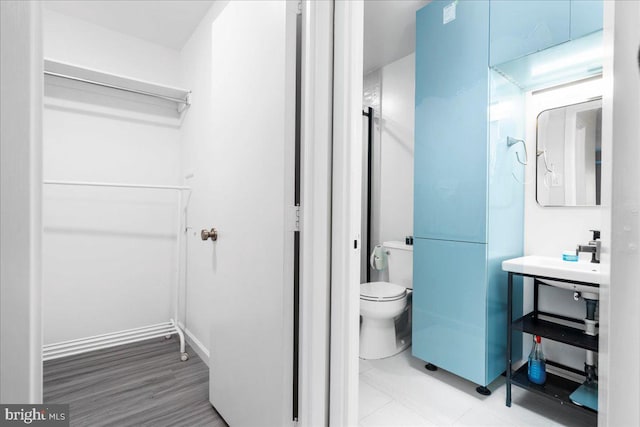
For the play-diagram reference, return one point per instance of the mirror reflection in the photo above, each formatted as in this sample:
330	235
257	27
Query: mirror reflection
569	155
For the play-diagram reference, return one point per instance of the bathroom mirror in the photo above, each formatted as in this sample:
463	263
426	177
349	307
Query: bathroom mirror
568	142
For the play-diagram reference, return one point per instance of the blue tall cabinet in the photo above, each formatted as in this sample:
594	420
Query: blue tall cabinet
468	202
523	27
468	172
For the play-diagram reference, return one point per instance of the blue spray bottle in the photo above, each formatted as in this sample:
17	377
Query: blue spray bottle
537	370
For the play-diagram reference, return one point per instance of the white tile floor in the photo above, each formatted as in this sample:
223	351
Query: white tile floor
398	391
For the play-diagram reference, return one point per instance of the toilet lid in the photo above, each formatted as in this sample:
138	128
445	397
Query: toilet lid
381	291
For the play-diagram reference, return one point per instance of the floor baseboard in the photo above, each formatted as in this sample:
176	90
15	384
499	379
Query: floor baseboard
197	346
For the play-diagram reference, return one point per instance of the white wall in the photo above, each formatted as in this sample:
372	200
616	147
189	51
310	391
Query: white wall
20	202
391	92
551	230
396	153
109	255
79	42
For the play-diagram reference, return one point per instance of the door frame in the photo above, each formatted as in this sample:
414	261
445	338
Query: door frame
346	212
619	21
21	200
315	216
619	317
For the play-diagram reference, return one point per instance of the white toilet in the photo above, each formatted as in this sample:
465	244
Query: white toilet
385	307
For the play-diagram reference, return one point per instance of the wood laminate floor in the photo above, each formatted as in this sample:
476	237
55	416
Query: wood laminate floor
141	384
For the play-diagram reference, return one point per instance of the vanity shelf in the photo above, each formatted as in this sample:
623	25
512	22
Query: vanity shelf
532	324
556	387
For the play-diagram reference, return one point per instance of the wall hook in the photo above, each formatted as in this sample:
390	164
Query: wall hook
543	153
513	141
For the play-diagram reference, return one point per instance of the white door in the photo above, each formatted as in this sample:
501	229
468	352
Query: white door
251	179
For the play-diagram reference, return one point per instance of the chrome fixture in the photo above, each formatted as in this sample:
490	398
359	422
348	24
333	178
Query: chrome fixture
593	247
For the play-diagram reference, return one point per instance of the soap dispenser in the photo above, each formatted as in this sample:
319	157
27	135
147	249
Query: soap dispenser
537	370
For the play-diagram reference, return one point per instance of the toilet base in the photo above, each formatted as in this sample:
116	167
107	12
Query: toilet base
380	339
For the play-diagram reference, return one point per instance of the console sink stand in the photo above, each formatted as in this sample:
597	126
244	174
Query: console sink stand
556	388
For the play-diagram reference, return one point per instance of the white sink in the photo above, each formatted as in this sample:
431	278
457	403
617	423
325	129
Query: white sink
555	268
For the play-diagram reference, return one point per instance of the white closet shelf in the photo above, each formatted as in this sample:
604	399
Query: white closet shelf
100	342
116	185
87	75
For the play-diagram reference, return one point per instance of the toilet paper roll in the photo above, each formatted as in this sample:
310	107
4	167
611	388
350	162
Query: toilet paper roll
378	258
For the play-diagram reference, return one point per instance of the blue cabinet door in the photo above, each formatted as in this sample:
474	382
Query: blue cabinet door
586	17
450	170
449	306
521	27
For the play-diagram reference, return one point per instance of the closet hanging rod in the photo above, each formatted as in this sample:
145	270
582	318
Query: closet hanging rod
184	101
116	185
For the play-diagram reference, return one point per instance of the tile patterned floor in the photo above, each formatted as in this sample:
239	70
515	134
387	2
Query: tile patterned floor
398	391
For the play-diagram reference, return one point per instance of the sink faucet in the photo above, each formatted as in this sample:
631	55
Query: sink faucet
593	247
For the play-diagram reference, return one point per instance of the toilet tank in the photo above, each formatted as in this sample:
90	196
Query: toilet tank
400	256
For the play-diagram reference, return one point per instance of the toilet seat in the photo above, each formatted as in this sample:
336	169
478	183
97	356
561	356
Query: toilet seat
382	291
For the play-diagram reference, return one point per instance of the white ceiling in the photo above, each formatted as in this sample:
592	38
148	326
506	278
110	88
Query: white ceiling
389	31
168	23
389	25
